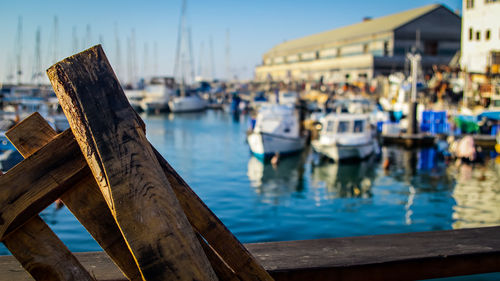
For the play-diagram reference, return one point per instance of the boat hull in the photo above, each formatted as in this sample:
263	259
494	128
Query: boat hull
265	145
187	104
340	152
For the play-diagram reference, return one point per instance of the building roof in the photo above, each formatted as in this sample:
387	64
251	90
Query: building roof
373	26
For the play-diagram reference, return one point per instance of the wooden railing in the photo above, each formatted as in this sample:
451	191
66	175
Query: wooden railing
152	226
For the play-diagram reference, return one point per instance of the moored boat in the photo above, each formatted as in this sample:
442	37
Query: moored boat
190	103
276	131
345	136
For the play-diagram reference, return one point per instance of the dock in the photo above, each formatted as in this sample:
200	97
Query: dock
426	140
408	256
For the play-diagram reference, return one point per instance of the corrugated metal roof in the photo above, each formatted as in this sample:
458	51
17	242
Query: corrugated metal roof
378	25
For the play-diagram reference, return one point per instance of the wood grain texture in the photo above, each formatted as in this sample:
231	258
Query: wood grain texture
37	181
234	254
221	268
124	165
84	199
35	246
43	255
408	256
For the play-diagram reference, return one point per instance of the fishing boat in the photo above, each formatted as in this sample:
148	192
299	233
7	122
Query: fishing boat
345	136
276	131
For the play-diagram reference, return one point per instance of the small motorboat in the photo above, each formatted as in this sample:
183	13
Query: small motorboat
276	132
346	136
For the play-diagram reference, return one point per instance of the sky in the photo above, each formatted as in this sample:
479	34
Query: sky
240	32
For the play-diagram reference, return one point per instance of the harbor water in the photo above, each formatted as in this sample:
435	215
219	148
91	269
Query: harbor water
305	197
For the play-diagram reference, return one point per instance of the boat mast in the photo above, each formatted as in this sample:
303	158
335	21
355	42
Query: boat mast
19	48
183	66
37	66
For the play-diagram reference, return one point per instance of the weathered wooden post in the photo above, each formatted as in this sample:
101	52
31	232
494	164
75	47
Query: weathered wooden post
135	188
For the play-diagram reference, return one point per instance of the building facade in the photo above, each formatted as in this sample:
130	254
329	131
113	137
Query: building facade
481	36
366	49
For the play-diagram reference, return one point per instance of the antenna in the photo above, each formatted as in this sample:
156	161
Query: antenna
212	63
88	37
56	39
190	59
75	41
145	60
129	60
133	56
201	72
179	38
118	54
19	49
228	56
184	64
37	66
155	58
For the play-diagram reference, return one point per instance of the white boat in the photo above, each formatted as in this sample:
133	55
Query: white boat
135	98
288	98
187	104
276	131
345	136
156	97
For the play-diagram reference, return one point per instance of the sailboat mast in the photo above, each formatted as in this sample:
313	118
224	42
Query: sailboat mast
19	49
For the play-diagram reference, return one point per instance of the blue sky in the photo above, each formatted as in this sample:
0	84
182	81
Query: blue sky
254	27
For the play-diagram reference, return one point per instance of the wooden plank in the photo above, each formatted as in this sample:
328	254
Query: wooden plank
42	254
37	181
406	256
212	229
123	163
221	268
38	249
84	200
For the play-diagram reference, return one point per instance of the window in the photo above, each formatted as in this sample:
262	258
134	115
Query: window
478	35
339	52
329	126
470	4
358	126
487	34
365	48
431	48
471	34
386	49
343	127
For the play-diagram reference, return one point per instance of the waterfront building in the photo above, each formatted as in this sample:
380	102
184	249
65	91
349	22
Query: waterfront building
481	36
364	50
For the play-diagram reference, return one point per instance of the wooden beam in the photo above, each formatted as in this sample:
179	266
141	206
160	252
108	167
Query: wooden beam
408	256
234	254
36	247
116	149
43	255
84	199
37	181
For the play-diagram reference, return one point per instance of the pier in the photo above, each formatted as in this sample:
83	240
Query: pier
408	256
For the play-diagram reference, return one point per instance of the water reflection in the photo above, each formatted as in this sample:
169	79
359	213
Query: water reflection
273	182
477	195
344	180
